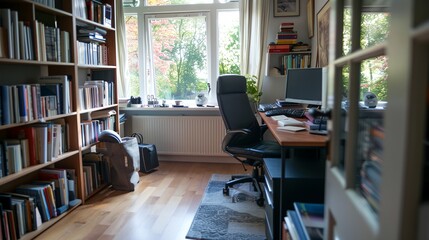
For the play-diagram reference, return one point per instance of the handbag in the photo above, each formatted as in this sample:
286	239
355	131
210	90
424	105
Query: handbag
148	154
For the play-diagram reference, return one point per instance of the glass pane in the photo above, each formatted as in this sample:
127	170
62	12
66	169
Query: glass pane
178	57
229	42
369	159
345	94
347	30
131	25
375	19
175	2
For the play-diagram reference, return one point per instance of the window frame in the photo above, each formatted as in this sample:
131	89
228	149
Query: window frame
212	11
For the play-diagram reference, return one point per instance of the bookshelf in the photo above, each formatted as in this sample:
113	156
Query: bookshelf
48	43
394	204
278	63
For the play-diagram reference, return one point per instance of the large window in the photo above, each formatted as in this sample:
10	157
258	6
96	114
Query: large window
176	49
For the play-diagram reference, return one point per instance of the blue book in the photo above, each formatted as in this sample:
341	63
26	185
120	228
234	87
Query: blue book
298	226
311	217
23	103
37	192
5	105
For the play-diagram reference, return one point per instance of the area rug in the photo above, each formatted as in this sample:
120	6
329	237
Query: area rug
225	217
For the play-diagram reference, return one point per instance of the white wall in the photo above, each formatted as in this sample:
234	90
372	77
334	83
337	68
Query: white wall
273	87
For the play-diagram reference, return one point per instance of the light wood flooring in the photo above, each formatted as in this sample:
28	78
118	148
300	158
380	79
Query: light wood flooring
161	207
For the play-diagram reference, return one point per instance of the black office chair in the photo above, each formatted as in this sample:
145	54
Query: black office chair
243	139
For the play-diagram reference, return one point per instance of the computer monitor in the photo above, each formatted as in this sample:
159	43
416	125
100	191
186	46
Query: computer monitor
306	86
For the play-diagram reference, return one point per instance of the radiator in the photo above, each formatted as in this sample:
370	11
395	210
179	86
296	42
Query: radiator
182	135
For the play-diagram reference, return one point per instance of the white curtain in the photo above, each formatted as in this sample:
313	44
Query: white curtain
254	17
122	53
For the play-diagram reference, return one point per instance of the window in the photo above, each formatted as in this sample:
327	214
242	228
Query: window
176	52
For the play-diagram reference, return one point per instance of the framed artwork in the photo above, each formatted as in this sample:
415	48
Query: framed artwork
310	18
323	36
286	8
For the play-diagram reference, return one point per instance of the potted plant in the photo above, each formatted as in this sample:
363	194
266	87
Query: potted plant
252	91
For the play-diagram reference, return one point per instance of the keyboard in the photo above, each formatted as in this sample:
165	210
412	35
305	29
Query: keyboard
267	106
289	112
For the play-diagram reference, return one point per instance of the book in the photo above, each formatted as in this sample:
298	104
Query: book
15	32
64	90
37	192
296	223
311	217
7	25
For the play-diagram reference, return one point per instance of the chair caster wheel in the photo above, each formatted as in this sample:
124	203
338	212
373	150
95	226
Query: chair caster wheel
225	191
260	202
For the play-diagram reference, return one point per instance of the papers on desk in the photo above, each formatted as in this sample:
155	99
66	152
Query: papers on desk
291	128
290	122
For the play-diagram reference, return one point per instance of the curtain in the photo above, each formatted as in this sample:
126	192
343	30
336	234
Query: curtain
254	17
122	53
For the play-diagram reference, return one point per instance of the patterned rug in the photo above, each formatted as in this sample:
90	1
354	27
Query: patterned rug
225	217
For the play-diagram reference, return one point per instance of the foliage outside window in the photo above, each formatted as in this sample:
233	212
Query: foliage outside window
374	30
176	45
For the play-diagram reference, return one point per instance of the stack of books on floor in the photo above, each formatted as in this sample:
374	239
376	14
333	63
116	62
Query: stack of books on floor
305	222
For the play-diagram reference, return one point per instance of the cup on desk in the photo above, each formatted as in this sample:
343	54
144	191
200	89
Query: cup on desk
178	102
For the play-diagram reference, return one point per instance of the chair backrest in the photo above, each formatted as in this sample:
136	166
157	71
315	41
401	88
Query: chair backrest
234	106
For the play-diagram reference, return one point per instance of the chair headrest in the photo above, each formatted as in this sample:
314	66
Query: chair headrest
231	83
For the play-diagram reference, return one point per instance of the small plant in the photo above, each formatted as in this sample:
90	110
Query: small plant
252	88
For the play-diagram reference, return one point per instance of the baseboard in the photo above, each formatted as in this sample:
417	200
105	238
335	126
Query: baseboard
205	159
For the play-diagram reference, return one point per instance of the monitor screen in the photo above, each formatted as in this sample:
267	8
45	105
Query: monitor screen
305	86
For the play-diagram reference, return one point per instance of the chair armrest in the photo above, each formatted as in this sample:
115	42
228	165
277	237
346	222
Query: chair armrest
243	131
264	128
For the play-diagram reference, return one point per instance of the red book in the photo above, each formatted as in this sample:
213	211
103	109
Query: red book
29	133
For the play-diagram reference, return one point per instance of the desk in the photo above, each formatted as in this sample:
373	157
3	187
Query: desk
289	141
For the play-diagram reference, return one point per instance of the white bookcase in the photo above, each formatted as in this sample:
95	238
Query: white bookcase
403	184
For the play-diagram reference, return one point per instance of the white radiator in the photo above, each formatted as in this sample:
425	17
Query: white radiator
182	135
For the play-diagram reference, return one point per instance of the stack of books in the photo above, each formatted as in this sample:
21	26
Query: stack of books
287	34
306	221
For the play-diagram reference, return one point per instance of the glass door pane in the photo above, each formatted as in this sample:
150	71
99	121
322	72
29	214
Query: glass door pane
370	133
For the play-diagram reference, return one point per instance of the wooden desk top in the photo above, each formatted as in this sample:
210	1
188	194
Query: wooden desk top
294	139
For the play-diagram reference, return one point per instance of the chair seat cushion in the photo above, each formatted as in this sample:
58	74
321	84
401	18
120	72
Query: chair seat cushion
262	149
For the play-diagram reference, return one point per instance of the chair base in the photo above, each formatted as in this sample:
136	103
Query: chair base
237	179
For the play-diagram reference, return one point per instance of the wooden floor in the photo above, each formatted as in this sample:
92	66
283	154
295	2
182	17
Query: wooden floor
161	207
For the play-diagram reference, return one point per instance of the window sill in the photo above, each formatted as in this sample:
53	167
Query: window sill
171	111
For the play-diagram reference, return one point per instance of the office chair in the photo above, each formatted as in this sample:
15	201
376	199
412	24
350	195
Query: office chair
243	139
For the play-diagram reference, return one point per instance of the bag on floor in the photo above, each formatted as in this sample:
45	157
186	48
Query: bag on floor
148	155
124	160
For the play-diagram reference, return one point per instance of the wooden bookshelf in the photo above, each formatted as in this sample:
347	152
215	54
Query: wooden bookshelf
48	58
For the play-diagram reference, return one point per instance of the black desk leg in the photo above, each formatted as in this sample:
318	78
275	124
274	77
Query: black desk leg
282	183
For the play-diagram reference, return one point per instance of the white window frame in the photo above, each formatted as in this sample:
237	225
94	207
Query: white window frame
211	10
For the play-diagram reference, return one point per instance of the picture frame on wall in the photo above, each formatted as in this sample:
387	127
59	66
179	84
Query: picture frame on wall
322	59
310	18
286	8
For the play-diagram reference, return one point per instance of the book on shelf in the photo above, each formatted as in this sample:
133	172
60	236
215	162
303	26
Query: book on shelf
61	175
64	84
37	192
7	25
311	218
294	223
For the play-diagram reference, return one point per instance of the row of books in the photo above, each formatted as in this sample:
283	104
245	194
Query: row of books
96	93
95	11
27	102
31	145
50	3
285	48
96	172
370	173
92	53
91	129
306	221
32	40
29	205
294	61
